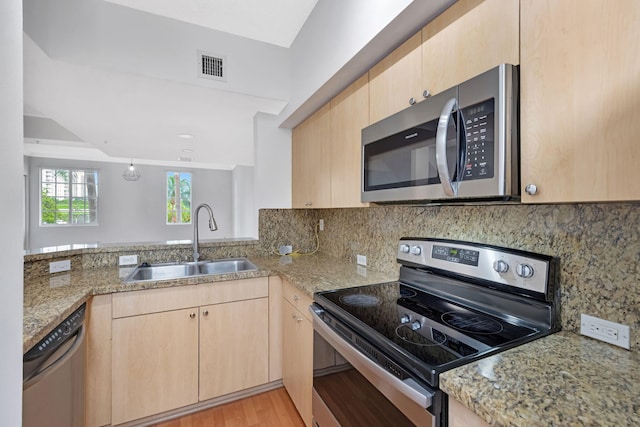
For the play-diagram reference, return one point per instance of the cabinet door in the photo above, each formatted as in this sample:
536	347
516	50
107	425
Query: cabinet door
297	359
395	80
98	362
155	363
349	114
461	416
234	347
311	161
580	100
469	38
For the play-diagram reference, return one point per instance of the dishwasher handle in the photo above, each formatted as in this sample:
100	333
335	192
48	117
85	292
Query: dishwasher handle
49	369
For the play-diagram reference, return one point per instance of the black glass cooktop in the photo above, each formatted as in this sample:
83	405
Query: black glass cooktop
438	332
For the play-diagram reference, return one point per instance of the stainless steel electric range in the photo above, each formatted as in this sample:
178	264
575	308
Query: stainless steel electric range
379	349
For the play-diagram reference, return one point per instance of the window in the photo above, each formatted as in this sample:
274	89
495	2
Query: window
178	198
68	196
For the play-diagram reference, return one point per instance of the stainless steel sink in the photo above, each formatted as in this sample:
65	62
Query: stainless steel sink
165	271
224	266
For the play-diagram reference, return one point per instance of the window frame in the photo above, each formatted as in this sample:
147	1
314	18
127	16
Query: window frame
167	198
71	184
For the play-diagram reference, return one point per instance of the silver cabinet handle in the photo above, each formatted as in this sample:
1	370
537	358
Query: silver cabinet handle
531	189
450	184
205	313
192	315
308	203
296	298
426	93
412	100
296	318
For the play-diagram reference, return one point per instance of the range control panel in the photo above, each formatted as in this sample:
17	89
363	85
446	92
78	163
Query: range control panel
490	263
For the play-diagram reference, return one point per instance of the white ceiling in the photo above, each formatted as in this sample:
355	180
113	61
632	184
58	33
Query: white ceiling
273	21
123	80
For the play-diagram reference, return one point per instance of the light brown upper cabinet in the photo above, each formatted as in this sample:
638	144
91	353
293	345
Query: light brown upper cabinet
580	100
349	114
325	151
469	38
396	81
311	161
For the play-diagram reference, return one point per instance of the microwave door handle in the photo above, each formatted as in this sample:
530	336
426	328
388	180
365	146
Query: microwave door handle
441	149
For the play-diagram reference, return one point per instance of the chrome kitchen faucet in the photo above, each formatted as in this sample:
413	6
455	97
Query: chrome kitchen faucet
212	226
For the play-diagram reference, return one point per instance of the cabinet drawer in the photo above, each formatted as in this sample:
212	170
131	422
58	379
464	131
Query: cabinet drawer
157	300
298	298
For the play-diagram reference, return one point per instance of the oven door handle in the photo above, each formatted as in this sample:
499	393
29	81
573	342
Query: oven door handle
378	376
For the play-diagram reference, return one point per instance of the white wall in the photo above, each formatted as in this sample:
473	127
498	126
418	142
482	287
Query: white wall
334	33
244	213
11	222
272	170
134	211
341	40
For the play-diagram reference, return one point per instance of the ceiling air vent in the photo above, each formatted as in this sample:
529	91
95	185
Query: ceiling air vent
212	66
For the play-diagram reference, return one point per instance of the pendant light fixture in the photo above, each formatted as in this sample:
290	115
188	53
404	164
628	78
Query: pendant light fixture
131	173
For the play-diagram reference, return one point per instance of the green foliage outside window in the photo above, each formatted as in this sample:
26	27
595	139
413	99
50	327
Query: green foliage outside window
68	196
178	198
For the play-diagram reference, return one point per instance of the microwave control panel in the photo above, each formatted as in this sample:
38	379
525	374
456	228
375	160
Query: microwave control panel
479	123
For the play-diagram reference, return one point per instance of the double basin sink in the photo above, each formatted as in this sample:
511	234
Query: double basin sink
165	271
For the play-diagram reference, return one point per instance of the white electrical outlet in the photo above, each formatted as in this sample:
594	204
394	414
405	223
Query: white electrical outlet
604	330
58	266
321	224
361	259
128	260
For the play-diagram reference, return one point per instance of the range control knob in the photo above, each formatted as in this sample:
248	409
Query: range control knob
416	250
416	325
404	248
405	319
524	270
500	266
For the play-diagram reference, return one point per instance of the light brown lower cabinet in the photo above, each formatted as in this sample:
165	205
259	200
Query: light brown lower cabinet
173	347
98	362
234	340
297	348
155	363
297	359
461	416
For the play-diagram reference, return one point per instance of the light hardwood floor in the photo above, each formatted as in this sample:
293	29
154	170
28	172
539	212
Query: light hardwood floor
273	408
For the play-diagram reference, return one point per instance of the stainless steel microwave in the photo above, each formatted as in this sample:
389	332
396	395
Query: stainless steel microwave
461	144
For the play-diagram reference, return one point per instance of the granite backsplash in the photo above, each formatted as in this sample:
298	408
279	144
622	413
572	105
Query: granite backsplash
598	245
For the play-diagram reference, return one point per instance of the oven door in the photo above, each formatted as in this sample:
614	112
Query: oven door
351	390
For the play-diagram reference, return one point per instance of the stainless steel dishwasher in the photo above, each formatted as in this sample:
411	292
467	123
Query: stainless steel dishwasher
53	376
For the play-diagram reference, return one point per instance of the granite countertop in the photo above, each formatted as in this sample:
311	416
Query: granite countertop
50	299
563	379
560	380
